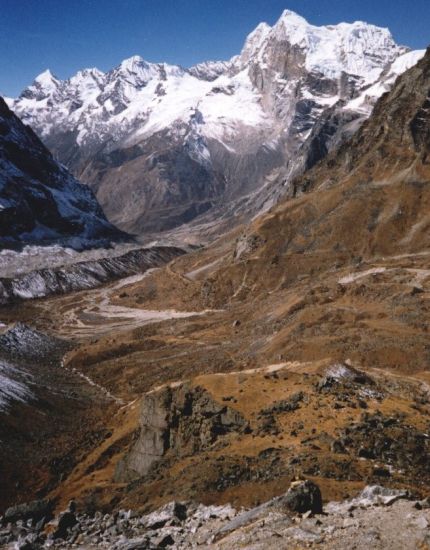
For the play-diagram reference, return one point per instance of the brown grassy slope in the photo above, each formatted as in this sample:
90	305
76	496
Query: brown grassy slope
43	440
343	436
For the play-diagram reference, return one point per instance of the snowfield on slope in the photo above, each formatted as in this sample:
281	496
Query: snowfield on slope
13	386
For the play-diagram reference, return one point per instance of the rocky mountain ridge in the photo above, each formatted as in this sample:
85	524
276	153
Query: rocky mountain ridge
84	274
40	201
161	145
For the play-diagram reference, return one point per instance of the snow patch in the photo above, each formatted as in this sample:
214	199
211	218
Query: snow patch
13	386
340	371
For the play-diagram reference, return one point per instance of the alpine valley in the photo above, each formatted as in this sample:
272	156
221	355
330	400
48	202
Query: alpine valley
215	300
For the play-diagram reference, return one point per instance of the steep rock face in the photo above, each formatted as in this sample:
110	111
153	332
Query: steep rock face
39	199
161	145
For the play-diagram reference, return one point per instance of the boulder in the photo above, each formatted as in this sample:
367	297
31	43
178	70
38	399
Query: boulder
66	521
303	496
166	514
423	504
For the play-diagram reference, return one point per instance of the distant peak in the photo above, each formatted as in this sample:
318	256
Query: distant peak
46	79
134	59
132	62
292	17
254	40
261	27
46	74
92	72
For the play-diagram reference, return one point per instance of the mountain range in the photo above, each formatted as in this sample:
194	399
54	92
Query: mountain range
161	145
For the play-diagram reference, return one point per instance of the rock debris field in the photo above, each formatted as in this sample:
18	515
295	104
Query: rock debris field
377	518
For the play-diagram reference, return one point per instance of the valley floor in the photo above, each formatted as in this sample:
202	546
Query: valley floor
325	378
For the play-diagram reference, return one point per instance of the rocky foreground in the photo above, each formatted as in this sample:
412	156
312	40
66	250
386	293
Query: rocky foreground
377	518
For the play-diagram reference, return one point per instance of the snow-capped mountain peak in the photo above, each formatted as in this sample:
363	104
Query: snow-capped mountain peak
134	70
253	43
138	72
84	74
356	48
43	86
85	81
133	63
289	17
46	79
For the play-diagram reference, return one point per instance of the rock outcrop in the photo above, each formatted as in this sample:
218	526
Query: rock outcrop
180	420
304	496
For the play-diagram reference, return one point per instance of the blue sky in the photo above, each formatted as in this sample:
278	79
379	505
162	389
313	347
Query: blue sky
67	35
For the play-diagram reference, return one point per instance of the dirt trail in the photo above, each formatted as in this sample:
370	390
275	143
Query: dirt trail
90	314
